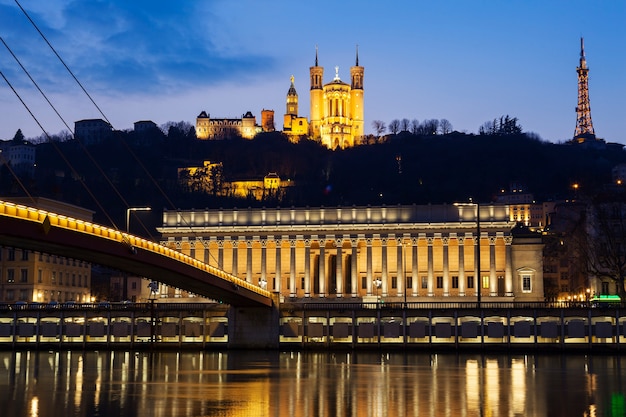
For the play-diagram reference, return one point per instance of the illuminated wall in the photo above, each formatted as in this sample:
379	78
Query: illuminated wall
417	251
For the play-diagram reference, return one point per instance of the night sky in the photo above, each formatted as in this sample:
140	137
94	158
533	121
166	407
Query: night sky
465	61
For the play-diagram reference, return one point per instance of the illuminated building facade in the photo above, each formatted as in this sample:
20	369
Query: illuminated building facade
208	128
336	107
294	126
28	276
396	252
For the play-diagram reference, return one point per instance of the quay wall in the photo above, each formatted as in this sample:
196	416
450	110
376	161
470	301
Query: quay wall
428	326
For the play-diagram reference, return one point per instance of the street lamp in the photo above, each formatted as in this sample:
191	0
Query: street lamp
479	278
128	210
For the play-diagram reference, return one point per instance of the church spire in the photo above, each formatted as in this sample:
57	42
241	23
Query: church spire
316	55
357	55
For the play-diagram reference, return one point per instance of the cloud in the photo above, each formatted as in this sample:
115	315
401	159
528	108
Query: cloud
128	47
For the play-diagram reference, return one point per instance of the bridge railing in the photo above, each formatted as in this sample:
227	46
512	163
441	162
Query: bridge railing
58	220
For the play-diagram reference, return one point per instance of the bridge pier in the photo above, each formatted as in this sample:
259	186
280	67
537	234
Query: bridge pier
254	327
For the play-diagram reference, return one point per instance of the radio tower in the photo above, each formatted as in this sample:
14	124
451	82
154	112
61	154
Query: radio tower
584	126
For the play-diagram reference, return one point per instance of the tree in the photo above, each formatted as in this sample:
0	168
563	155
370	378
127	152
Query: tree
503	126
415	126
379	127
445	126
430	127
394	126
19	136
404	125
605	242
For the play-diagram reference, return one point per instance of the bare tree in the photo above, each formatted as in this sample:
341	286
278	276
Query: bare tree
445	126
404	125
394	126
430	127
605	245
379	127
415	126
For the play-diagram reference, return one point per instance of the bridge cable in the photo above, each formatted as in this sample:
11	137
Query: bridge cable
53	143
169	201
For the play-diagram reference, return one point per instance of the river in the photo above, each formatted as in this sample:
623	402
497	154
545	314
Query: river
308	384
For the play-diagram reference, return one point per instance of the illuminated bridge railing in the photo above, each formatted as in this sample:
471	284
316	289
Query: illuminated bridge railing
58	220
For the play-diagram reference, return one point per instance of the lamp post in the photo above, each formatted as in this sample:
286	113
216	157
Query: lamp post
479	278
128	210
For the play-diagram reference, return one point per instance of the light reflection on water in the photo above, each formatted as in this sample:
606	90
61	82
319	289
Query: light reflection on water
312	384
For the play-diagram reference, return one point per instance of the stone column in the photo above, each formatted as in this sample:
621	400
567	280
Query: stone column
307	267
293	286
263	262
478	279
339	268
384	272
322	268
414	269
354	270
493	279
220	253
249	260
235	269
446	266
508	272
461	241
431	285
278	268
369	266
400	266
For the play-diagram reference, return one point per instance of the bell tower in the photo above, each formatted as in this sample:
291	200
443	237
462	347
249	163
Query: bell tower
584	126
356	98
317	98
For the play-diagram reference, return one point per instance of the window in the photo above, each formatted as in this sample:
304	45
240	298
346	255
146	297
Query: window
302	283
470	281
133	285
424	282
409	282
23	275
605	288
439	282
54	277
24	255
10	275
394	282
11	254
455	282
39	276
526	280
485	281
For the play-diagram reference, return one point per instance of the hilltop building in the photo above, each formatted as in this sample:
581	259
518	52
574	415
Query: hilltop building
221	128
336	118
92	131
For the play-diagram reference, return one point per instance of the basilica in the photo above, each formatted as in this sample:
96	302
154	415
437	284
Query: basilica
336	118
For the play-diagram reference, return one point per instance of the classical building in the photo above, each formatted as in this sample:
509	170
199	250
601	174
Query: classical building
212	128
29	276
19	155
417	253
336	107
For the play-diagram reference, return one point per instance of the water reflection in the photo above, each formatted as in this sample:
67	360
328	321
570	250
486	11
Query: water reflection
294	384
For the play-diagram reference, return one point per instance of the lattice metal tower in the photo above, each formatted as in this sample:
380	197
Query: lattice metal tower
584	126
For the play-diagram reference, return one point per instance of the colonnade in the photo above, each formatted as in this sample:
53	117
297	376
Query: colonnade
385	265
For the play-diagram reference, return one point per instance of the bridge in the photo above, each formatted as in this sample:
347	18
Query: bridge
38	230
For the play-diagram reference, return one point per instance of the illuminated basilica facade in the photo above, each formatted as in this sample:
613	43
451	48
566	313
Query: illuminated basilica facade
417	253
336	108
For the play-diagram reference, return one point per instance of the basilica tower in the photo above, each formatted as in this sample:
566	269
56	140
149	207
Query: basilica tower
356	98
292	105
317	98
584	126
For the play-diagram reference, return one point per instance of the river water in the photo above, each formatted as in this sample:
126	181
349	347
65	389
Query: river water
308	384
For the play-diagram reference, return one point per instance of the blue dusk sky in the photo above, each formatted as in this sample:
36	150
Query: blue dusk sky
465	61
